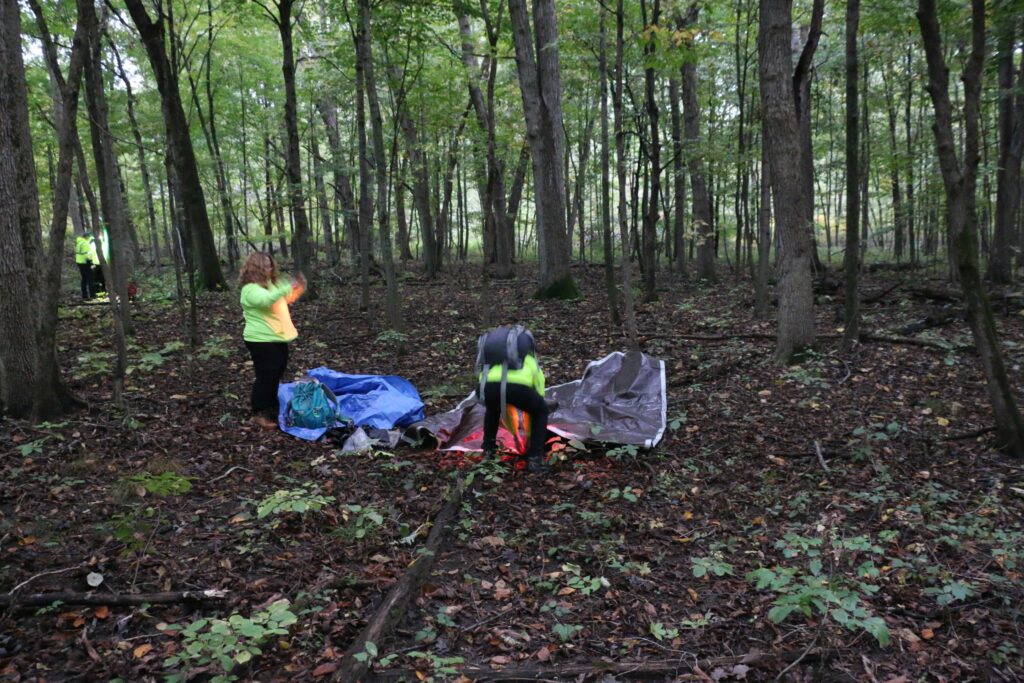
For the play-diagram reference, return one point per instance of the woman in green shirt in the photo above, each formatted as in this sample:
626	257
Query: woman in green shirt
265	297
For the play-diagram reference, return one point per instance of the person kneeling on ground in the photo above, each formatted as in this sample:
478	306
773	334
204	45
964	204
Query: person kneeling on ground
268	329
510	375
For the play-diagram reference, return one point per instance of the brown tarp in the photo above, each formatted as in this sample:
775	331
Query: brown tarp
620	399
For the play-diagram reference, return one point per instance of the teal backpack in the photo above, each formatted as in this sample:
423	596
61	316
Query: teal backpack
312	406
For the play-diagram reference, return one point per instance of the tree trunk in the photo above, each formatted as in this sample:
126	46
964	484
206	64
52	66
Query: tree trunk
111	198
179	144
141	152
1011	147
321	194
626	267
537	64
703	227
420	189
650	222
344	197
764	236
393	304
898	210
30	381
302	244
606	189
851	258
781	131
960	180
678	181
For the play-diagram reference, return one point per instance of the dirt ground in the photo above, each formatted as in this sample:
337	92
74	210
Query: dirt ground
843	519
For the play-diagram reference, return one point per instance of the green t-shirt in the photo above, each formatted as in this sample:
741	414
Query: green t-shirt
266	313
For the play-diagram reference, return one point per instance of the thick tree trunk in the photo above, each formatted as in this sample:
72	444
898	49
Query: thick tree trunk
303	246
30	384
851	258
179	142
702	226
781	131
537	63
960	179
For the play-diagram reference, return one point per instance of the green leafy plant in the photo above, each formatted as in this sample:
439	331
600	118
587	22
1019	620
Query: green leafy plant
362	521
93	363
626	452
586	585
163	484
219	645
566	632
661	632
299	500
714	564
625	494
215	347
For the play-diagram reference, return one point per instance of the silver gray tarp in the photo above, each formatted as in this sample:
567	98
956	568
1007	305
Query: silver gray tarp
620	399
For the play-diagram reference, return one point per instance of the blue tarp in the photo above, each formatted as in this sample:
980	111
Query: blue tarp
381	401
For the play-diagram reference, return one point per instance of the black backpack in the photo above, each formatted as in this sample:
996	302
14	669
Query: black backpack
504	346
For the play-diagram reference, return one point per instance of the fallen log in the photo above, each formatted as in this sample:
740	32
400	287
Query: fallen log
393	607
637	669
875	298
112	599
938	318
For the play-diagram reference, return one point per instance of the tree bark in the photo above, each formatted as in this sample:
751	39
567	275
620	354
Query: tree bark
141	152
678	181
343	194
764	236
179	143
703	227
959	178
393	303
537	64
606	190
498	216
851	258
302	244
1011	149
626	267
781	131
649	238
111	198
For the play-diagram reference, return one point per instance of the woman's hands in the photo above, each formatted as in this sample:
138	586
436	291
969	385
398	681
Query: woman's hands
298	287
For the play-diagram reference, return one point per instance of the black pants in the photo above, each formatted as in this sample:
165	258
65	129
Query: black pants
526	399
269	360
101	282
88	282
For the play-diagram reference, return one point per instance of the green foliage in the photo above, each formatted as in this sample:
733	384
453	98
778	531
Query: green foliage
299	500
362	522
93	363
566	632
621	453
616	493
586	585
704	566
219	645
215	347
163	484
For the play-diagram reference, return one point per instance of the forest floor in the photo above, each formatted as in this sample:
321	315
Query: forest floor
895	555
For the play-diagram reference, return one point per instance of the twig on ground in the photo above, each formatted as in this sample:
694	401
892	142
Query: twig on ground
821	458
40	574
69	598
230	470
